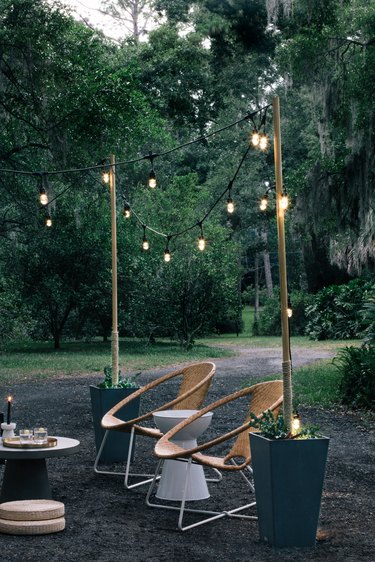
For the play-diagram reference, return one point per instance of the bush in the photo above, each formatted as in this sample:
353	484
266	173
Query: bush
336	311
357	369
270	318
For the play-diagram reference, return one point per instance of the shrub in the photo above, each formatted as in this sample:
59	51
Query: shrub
357	369
270	319
335	312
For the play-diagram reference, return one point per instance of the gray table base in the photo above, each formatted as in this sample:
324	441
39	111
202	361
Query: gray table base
25	479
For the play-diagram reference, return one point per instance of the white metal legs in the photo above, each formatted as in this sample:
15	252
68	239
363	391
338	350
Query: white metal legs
127	473
213	515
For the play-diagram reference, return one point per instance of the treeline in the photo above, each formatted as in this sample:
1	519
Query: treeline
69	97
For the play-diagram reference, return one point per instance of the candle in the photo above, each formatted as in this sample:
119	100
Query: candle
8	412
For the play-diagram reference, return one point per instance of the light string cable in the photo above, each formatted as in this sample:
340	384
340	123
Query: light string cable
249	116
198	223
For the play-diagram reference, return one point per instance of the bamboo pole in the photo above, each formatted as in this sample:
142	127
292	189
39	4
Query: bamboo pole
286	360
115	348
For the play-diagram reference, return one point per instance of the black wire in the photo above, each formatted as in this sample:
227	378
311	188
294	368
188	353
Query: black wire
200	222
139	159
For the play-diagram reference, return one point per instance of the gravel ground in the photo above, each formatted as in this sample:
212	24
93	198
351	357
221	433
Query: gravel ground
104	522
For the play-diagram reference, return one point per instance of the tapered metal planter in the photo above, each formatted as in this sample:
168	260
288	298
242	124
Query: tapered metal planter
102	400
288	479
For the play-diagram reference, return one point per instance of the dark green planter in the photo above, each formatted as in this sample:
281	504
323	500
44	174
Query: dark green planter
288	480
117	444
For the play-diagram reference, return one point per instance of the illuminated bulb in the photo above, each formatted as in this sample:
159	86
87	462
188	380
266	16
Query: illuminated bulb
284	201
152	179
289	312
145	243
230	205
43	196
106	177
167	255
296	424
263	142
201	243
48	221
263	203
127	212
255	138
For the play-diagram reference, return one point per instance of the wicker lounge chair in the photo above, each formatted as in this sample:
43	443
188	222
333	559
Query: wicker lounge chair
263	396
195	380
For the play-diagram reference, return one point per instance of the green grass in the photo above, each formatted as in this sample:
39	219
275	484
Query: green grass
30	360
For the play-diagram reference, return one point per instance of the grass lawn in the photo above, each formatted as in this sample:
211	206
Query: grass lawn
26	360
317	384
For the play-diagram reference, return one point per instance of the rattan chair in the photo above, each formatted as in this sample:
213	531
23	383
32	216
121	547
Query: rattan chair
263	396
195	380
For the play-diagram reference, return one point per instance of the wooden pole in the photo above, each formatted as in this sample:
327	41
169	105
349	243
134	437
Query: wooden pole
286	362
115	348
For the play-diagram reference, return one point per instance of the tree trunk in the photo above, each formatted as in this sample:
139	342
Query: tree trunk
267	264
256	295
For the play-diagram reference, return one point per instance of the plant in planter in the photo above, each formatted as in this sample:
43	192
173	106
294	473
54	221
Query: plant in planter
289	467
103	397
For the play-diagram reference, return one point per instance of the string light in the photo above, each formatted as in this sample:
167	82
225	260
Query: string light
201	240
255	138
145	242
167	252
43	197
263	142
284	201
105	176
48	221
296	423
127	210
152	176
289	310
263	202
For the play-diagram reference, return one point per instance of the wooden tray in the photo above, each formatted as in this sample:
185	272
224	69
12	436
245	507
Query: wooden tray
15	443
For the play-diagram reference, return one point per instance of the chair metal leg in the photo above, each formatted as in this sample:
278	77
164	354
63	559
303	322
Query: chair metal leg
182	509
97	459
127	472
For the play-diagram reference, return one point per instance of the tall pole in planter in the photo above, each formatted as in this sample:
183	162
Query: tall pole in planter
286	362
112	186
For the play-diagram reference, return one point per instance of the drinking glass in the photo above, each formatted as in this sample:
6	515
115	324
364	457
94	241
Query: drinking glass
40	435
26	436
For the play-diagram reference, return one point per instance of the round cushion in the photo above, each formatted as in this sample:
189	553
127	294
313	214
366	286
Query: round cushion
31	510
32	527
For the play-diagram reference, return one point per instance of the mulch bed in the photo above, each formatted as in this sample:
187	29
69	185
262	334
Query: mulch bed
104	522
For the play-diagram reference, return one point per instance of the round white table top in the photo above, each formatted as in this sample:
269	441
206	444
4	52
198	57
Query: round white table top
65	446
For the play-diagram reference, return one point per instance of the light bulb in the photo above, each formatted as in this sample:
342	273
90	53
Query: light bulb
145	243
289	312
152	179
263	142
167	255
127	212
255	138
263	203
48	221
106	177
230	205
43	197
296	424
284	201
201	243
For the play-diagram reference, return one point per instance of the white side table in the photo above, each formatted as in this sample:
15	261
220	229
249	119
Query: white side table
173	476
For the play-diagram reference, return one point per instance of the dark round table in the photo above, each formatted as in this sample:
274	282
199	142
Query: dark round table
26	475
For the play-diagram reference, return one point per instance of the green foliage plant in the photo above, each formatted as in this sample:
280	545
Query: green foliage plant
357	368
336	311
123	382
274	427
